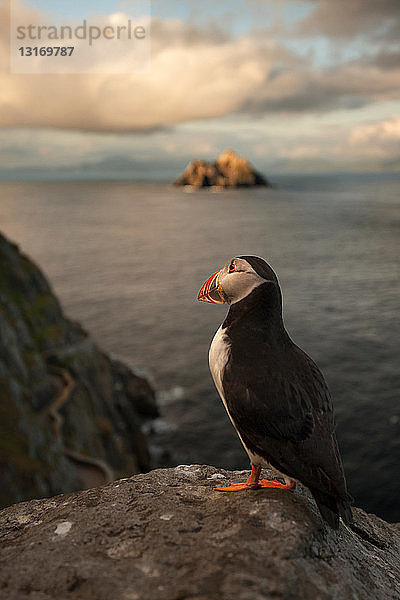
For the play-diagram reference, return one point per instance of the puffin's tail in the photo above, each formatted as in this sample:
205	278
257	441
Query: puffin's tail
331	508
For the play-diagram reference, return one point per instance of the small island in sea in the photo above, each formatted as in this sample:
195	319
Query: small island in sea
228	171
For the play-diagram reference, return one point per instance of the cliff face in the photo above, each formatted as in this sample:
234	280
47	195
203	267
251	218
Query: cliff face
70	416
169	535
228	171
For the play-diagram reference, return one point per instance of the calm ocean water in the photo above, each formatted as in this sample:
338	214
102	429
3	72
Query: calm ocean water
127	260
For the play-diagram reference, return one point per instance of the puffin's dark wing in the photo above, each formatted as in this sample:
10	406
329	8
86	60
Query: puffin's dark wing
273	408
283	400
285	415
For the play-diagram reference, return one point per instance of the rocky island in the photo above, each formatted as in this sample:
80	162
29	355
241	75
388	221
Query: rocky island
70	415
168	535
228	171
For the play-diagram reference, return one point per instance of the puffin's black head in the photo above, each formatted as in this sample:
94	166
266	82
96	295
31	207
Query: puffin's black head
240	276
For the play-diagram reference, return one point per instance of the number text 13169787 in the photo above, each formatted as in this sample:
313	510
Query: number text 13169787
46	50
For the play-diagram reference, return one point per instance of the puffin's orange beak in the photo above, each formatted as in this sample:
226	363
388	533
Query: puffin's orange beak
211	291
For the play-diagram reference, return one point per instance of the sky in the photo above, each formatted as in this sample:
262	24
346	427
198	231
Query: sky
300	86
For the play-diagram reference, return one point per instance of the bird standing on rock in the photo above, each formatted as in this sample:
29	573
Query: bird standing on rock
274	394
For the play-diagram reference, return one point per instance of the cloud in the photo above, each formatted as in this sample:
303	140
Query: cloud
384	135
203	72
315	90
306	144
195	74
344	18
385	60
373	146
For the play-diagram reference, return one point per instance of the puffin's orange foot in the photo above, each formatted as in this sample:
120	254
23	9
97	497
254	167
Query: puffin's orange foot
273	483
237	487
254	483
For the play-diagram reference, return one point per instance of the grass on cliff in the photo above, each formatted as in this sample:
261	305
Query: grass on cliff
15	456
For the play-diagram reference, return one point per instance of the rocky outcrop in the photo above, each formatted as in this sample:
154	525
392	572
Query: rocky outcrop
169	535
70	416
228	171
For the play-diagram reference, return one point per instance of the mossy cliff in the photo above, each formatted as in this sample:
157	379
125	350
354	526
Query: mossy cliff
70	416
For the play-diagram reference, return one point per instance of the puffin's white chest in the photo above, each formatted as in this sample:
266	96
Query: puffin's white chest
218	357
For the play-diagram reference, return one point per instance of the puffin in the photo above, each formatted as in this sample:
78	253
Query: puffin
275	395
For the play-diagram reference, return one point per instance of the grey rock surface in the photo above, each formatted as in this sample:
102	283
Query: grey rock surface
167	535
228	171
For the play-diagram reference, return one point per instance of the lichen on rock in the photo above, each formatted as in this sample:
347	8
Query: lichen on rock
168	534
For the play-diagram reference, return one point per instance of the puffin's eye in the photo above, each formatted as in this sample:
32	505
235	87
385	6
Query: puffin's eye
232	267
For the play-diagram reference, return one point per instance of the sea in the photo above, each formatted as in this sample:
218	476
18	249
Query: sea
128	258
